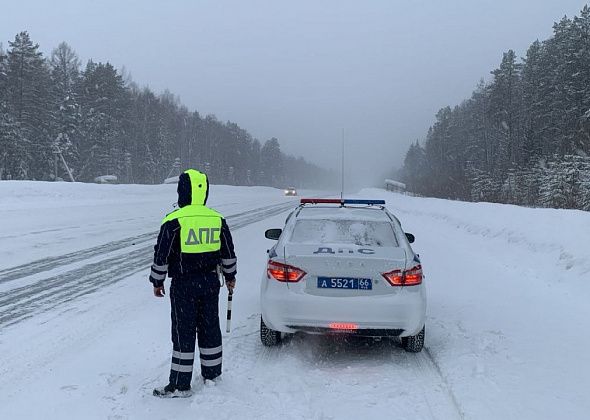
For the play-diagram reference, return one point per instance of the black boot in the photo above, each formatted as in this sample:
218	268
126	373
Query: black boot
173	391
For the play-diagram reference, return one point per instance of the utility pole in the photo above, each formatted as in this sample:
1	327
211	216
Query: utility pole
57	152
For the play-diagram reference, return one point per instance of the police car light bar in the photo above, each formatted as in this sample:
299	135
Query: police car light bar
369	202
339	201
321	201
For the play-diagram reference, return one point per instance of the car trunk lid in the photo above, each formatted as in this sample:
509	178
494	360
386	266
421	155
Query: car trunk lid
326	262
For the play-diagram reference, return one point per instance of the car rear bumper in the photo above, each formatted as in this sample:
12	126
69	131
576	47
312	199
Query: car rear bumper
363	332
399	314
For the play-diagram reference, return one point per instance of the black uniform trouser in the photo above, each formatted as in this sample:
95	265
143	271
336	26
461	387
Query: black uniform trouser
195	311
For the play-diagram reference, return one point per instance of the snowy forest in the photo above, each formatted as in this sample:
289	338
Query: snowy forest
104	124
523	137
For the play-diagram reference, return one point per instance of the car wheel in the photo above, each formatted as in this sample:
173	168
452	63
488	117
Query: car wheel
269	337
414	343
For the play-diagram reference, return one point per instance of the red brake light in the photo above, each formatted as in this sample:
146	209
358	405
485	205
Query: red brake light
413	276
343	326
283	272
321	201
395	277
410	277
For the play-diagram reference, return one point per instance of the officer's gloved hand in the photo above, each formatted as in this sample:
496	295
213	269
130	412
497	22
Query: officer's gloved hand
231	284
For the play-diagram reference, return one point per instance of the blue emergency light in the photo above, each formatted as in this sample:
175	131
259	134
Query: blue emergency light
341	201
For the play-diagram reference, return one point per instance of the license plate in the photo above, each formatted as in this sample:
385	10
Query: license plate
344	283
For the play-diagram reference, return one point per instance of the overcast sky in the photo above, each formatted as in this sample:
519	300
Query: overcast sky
301	71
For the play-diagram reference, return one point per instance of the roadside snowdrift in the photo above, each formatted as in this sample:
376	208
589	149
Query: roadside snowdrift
508	303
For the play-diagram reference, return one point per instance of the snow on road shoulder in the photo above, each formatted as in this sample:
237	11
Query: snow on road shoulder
508	314
561	235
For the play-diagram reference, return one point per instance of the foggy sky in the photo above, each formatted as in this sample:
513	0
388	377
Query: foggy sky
301	71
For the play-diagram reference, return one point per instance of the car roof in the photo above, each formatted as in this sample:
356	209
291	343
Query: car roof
377	214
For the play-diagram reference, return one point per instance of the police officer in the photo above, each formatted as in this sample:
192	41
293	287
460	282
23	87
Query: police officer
193	241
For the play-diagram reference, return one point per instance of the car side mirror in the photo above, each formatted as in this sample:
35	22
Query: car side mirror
411	238
273	234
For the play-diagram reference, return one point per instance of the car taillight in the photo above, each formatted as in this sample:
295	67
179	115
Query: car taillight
413	276
343	326
283	272
394	277
410	277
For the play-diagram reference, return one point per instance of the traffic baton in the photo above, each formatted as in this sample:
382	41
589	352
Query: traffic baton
229	300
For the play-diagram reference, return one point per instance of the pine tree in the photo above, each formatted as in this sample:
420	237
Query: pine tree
584	195
580	84
65	129
255	164
27	87
3	75
533	82
14	162
504	112
415	170
13	157
271	161
103	101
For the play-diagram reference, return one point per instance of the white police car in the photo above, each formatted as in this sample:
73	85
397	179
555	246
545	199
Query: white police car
343	266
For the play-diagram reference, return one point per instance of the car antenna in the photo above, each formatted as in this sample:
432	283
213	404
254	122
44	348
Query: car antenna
342	170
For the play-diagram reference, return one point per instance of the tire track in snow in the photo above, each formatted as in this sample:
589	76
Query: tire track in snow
50	292
50	263
314	365
434	366
45	264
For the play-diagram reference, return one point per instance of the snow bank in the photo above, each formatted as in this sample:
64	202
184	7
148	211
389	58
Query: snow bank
563	236
508	303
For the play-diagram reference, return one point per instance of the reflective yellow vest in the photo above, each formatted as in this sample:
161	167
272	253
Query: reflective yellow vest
200	226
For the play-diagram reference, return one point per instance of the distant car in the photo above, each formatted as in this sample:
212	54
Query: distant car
343	266
290	191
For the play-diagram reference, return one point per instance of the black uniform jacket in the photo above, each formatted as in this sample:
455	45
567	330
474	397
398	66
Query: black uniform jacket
168	259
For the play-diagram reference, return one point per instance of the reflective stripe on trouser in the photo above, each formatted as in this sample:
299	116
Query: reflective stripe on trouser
194	312
210	361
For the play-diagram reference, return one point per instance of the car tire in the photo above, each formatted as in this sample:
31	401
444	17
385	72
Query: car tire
269	337
414	343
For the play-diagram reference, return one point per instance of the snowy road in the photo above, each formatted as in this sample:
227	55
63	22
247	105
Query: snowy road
51	282
505	332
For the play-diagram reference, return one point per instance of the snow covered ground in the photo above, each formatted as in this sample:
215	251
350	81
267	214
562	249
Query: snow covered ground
507	328
41	219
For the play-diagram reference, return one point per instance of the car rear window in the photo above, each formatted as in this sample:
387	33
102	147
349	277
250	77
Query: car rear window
357	232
